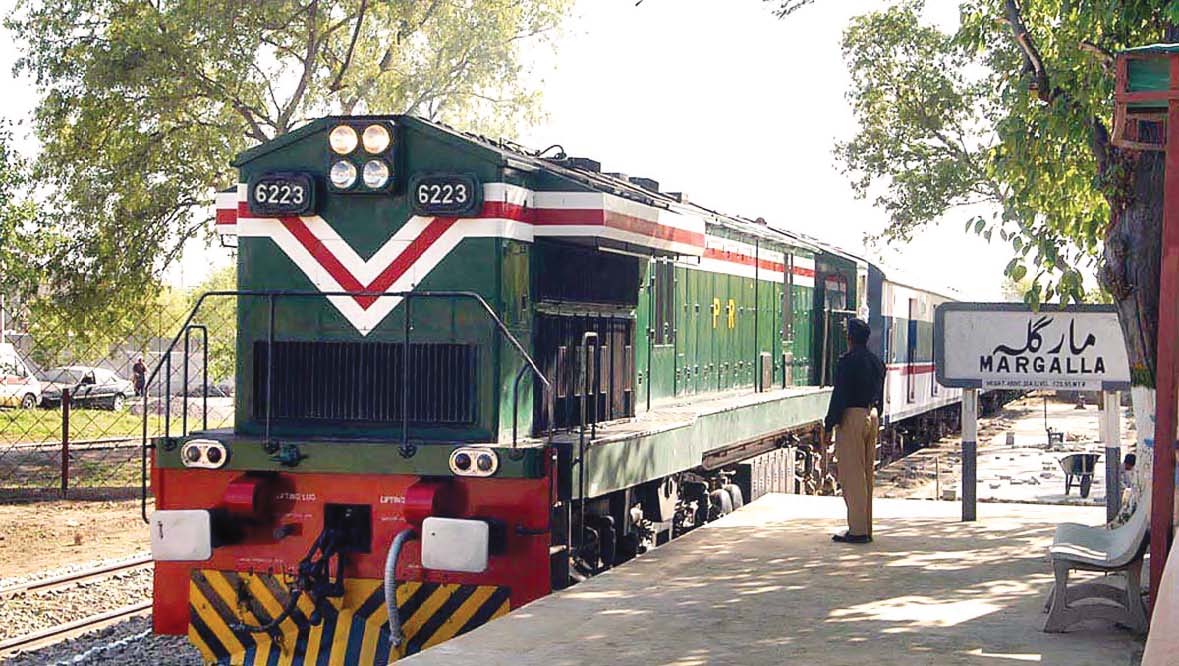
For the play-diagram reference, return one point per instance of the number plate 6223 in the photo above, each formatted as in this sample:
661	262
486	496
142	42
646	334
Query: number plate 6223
449	195
282	194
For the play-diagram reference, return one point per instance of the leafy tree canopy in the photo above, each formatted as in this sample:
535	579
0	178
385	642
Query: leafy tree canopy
144	103
1009	111
18	246
219	316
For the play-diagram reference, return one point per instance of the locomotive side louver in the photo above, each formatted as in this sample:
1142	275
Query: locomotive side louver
362	382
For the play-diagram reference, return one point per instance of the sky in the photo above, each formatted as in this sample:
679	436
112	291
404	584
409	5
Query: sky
715	98
741	110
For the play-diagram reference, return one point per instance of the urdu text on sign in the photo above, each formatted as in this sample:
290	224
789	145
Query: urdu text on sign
1009	346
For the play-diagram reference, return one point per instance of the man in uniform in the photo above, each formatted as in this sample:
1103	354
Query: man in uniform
854	415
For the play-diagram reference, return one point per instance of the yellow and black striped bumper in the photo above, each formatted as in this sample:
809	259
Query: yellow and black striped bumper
353	630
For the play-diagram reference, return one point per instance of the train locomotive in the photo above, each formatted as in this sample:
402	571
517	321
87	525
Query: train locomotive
468	375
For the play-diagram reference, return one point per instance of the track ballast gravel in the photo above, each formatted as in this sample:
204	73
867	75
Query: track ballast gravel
128	643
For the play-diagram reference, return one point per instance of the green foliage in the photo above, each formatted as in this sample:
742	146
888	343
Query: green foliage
63	334
1098	296
144	103
984	117
21	246
219	314
1014	289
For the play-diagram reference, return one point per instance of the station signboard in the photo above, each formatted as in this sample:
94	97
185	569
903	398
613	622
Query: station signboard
1010	346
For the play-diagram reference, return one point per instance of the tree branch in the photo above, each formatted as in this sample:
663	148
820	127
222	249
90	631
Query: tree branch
284	116
1103	54
250	114
386	62
282	48
1033	62
335	84
788	7
1041	86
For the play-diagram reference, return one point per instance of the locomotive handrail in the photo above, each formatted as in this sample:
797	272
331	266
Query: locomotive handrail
271	296
204	377
590	389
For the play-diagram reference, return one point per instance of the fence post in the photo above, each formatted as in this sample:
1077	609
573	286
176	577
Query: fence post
65	442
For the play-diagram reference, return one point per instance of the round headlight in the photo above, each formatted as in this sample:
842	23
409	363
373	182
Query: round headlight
343	174
342	139
485	462
193	454
462	461
376	139
376	174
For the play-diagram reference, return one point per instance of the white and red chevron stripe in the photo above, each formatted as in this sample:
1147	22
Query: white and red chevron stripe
422	243
732	257
225	221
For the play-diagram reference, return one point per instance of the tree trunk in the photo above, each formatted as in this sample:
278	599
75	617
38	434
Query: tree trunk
1130	273
1131	268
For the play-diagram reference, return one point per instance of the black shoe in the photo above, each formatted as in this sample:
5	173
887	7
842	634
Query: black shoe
848	537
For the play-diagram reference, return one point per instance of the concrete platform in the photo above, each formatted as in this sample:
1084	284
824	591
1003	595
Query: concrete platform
766	585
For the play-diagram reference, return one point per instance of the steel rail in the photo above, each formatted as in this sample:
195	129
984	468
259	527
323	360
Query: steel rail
75	577
61	632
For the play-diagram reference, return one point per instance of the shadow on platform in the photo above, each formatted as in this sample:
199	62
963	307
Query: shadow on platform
766	585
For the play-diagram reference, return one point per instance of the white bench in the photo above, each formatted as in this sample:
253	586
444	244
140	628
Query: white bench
1085	548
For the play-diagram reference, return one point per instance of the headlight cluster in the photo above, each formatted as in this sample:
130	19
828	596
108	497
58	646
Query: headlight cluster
473	461
206	453
362	159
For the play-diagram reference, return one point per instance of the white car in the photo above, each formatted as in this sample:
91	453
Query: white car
18	386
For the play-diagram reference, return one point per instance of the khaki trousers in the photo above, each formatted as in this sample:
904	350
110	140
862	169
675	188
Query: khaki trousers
855	448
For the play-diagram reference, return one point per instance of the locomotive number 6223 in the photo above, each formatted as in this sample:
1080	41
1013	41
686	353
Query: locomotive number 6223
451	195
282	194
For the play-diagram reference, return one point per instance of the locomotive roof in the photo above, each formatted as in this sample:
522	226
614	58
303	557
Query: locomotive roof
517	157
513	154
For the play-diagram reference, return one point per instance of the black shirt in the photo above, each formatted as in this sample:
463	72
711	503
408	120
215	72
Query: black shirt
859	382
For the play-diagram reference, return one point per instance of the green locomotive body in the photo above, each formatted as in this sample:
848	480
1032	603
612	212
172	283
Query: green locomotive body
569	365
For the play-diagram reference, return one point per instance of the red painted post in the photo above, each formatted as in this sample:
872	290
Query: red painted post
1166	405
65	442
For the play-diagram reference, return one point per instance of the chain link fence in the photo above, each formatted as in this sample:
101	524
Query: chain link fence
73	401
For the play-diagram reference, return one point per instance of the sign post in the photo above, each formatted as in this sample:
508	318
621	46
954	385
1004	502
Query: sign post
969	455
1010	346
1111	435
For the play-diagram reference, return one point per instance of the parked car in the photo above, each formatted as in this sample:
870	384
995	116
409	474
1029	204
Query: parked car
18	386
89	387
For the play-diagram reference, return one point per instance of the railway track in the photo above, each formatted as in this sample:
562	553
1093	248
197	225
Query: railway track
49	635
61	632
76	577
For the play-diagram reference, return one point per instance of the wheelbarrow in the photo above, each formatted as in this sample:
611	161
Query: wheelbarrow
1079	466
